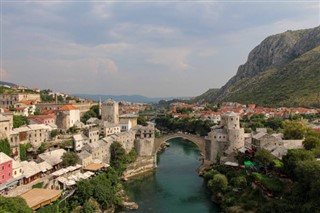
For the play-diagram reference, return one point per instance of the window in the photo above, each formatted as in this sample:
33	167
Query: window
9	165
2	176
2	167
15	172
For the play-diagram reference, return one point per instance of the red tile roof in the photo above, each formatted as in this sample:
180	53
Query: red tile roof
68	108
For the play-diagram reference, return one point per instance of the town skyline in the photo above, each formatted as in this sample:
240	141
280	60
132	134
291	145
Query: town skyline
155	49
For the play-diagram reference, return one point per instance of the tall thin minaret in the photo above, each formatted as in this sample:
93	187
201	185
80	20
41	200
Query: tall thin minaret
100	106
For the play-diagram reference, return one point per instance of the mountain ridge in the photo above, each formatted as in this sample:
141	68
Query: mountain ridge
278	56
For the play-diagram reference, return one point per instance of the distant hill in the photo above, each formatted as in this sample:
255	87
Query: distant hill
283	70
129	98
7	83
205	97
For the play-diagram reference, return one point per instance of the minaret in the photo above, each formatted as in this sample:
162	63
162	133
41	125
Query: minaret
99	106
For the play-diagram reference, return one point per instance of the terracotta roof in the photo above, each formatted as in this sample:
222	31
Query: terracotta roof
68	108
26	102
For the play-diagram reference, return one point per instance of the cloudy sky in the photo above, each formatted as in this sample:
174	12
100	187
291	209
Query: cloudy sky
152	48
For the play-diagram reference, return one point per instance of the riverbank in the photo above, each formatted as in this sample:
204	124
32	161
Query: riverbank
174	186
142	165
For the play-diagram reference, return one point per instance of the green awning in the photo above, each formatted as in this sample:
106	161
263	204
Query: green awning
248	163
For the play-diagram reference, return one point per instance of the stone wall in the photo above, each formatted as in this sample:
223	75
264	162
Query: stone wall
142	165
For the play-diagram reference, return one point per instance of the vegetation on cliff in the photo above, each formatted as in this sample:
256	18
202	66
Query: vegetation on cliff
281	71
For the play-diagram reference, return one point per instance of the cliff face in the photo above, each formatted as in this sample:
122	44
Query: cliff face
282	70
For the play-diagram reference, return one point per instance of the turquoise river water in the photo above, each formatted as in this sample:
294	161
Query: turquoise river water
175	186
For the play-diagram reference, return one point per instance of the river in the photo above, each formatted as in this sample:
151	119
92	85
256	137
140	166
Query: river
175	186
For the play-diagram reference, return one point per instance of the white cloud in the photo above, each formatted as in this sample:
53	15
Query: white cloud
172	58
101	10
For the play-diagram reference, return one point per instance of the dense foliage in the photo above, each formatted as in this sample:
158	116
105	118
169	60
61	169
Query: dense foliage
301	195
69	159
23	151
5	146
93	112
142	120
101	189
190	125
119	160
13	205
19	120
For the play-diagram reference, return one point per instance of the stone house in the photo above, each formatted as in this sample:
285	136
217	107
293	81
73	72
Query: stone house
33	133
79	140
126	139
67	116
100	150
92	133
85	158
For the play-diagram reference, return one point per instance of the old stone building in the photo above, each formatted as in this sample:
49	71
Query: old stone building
100	150
92	132
126	139
67	116
9	100
110	111
144	140
6	124
33	133
226	138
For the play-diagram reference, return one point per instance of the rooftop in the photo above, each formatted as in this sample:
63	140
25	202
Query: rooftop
37	198
52	157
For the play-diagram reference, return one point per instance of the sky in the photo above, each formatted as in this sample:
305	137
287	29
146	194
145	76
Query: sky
152	48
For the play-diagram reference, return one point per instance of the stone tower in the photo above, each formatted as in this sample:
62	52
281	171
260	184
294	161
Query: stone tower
226	138
110	111
231	122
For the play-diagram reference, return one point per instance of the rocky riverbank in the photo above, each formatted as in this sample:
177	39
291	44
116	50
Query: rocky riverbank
141	165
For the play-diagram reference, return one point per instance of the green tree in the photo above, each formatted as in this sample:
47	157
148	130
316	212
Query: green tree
293	157
264	157
294	129
218	184
74	129
37	112
311	142
142	121
93	112
239	182
90	206
5	146
84	190
14	205
69	159
118	159
42	148
274	123
23	152
19	120
54	133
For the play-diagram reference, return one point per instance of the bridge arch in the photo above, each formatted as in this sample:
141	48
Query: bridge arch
200	142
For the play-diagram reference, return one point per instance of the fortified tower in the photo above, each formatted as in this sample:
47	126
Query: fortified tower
110	111
235	133
226	138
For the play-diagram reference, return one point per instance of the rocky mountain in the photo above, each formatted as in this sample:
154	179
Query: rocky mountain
283	70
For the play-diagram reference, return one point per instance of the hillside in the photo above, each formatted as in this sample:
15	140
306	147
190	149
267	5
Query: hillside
282	71
209	95
7	83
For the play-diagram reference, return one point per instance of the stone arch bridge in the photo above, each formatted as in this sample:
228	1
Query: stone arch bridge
197	140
